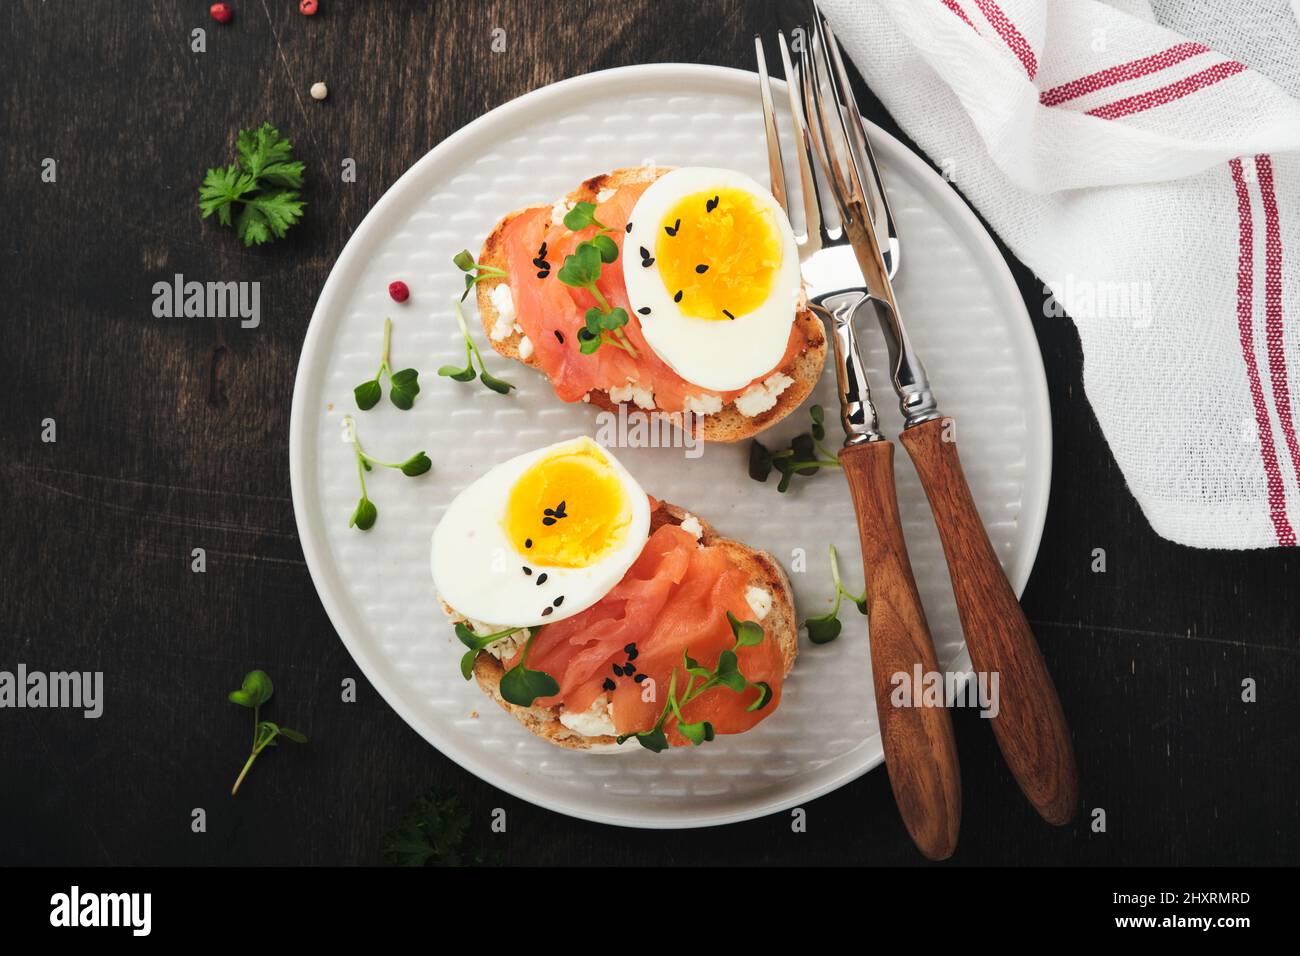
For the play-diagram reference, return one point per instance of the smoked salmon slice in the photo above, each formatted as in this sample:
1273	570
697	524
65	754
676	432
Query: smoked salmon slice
551	313
673	601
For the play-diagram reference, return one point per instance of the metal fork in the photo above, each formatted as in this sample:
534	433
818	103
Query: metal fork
920	752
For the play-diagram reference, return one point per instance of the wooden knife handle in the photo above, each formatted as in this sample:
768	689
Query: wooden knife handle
920	752
1030	725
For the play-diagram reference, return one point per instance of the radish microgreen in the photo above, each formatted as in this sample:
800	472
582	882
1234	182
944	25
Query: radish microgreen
805	456
255	691
519	685
467	374
474	272
826	627
726	674
404	384
581	270
364	516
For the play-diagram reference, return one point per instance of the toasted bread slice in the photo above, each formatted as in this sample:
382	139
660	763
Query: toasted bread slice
726	425
779	624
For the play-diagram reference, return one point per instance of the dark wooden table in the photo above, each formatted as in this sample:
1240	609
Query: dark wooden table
172	434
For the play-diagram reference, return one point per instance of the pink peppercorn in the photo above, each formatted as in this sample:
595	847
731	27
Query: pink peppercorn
221	12
398	291
307	7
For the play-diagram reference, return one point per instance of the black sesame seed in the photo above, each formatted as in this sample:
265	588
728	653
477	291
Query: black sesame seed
640	677
647	263
711	205
701	269
547	610
542	251
618	671
727	314
609	684
559	336
548	521
558	601
541	578
629	227
527	570
644	310
672	230
629	668
629	648
644	254
541	263
678	296
633	654
528	542
544	273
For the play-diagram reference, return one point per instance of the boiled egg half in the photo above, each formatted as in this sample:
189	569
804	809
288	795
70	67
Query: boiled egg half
540	537
712	270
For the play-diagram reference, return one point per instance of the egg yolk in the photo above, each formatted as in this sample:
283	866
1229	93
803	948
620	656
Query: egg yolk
718	253
568	510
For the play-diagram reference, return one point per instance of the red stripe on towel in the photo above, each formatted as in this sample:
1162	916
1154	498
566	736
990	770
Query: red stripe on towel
1245	311
955	7
1273	328
1118	74
1167	94
1010	35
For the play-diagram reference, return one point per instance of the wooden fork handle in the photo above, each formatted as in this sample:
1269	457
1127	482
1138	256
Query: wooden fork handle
1030	726
920	752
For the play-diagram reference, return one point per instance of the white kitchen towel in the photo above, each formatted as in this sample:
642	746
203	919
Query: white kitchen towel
1143	158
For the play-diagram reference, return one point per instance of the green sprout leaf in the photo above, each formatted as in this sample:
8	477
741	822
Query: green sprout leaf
822	630
474	272
404	386
368	394
746	633
467	374
805	457
476	643
365	515
826	627
521	686
701	679
255	691
416	465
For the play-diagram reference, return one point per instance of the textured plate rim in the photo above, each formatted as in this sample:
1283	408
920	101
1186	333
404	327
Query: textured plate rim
695	77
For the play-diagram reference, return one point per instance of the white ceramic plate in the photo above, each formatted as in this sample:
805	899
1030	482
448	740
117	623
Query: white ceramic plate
965	316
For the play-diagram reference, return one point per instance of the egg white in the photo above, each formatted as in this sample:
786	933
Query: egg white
479	573
716	355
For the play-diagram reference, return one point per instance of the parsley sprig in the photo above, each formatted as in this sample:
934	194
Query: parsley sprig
805	456
467	374
364	516
404	384
726	674
474	272
434	831
520	685
581	270
826	627
255	691
259	192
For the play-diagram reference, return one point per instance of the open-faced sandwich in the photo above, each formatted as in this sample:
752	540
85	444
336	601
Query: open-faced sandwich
596	614
677	290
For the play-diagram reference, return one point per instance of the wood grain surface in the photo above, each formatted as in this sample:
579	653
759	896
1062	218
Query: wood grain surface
172	435
1029	725
920	753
